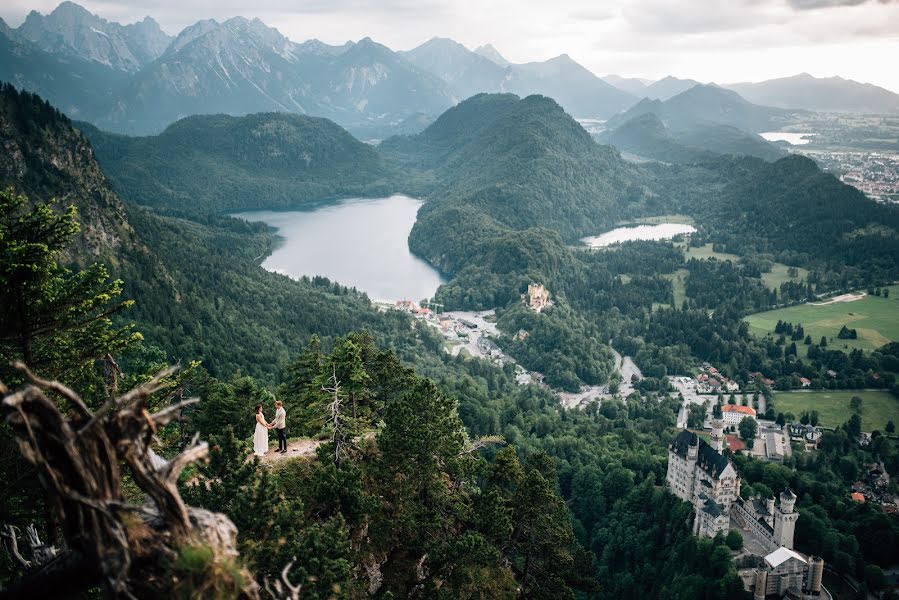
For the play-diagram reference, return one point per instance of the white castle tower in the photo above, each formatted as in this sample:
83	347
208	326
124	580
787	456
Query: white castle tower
785	520
718	441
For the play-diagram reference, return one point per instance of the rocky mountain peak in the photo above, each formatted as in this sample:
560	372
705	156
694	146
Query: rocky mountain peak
492	54
74	31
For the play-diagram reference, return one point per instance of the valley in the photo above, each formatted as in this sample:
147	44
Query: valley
538	333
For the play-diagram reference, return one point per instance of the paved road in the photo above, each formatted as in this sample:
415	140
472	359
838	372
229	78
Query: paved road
624	365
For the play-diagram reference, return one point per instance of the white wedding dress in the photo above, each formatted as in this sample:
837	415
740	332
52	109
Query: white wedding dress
260	437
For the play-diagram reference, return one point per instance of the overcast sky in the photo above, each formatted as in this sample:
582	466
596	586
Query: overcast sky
724	41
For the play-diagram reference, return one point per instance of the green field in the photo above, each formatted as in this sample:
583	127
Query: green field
875	318
772	279
778	275
707	252
679	283
833	406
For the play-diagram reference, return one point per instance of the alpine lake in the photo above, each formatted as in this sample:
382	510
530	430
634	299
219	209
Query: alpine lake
361	243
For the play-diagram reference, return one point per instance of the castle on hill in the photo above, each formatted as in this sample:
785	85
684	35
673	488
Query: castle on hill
700	473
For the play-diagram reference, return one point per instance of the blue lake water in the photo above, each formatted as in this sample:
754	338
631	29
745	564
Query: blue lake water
361	243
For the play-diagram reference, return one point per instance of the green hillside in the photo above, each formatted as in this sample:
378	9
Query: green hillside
647	136
220	163
199	293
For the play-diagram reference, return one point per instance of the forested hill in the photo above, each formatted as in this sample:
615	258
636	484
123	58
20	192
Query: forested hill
198	293
524	162
43	156
219	163
647	136
789	208
511	181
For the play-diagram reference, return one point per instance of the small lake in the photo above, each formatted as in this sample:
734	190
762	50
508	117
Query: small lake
662	231
796	139
359	243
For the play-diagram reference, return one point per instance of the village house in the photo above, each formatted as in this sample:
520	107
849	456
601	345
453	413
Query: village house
405	305
805	382
777	447
809	434
734	413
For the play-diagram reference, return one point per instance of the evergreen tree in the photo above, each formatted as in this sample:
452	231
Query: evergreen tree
55	320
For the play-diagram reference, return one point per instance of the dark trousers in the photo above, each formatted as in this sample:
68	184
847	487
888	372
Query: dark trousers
282	439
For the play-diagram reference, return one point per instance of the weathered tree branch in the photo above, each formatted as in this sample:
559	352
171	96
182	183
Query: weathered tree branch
282	589
14	546
78	460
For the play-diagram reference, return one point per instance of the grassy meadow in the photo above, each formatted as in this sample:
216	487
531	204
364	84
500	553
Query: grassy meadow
876	319
878	407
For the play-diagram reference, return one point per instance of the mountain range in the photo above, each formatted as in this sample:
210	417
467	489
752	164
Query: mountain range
704	104
142	80
830	94
137	79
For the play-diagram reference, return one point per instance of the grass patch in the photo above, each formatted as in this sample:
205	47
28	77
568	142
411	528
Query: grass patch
874	317
773	279
679	219
706	252
878	407
779	275
679	285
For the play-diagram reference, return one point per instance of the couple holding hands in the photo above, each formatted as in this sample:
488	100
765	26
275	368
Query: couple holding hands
260	437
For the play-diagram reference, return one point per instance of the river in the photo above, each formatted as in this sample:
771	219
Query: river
361	243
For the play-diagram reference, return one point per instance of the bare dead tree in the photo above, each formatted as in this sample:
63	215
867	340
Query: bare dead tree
125	548
335	416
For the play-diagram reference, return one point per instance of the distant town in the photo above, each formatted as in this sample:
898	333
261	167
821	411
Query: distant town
874	173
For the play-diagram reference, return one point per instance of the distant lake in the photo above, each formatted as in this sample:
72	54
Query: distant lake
359	243
662	231
796	139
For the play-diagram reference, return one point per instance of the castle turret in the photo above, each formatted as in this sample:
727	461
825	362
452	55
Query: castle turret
718	441
769	504
815	575
761	584
787	500
785	520
693	448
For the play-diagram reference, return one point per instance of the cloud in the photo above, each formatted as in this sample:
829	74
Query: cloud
593	14
815	4
702	16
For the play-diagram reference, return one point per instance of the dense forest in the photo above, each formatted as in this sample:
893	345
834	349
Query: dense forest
219	163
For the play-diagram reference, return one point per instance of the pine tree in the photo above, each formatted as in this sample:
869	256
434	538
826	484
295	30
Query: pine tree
55	320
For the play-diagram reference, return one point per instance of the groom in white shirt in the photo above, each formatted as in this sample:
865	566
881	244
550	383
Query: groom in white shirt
280	423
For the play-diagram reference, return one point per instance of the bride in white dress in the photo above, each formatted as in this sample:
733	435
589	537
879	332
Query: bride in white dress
260	437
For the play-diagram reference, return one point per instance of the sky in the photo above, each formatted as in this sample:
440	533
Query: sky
722	41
